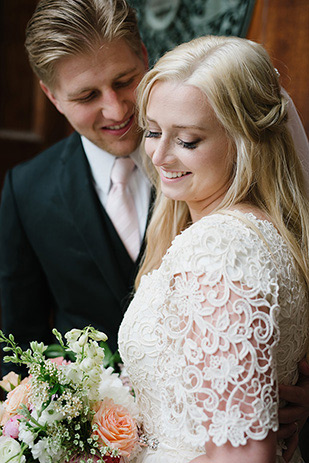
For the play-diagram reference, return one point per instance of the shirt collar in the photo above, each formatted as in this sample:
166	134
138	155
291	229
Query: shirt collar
101	163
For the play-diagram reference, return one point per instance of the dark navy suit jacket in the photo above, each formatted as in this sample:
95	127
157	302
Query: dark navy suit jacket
62	263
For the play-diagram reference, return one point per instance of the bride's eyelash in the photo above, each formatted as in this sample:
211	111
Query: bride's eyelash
188	145
185	144
152	134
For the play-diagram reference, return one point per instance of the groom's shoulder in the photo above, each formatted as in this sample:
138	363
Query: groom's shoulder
45	162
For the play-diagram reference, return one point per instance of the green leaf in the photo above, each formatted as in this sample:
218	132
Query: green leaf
58	336
116	357
54	350
54	390
110	359
8	358
7	349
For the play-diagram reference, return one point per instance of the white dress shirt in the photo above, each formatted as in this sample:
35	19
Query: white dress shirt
101	163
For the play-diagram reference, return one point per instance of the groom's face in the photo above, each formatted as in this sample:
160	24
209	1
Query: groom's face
96	93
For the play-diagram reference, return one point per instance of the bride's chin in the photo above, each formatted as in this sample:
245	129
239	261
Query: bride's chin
170	194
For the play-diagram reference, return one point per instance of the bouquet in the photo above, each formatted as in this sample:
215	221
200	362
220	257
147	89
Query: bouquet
66	411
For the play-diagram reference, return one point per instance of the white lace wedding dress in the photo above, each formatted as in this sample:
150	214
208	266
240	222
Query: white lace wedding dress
210	334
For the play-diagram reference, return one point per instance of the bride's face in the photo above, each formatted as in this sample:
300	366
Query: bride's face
188	146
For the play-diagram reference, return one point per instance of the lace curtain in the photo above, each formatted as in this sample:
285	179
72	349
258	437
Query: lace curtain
165	24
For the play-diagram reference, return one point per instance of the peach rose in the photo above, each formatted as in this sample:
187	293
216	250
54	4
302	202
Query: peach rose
18	396
9	381
4	416
116	427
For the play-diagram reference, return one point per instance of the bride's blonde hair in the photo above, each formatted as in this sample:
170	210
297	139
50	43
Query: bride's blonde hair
242	86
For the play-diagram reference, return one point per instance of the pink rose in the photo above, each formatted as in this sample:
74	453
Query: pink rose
116	427
59	361
11	428
18	396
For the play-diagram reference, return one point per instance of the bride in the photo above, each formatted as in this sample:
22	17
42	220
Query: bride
220	316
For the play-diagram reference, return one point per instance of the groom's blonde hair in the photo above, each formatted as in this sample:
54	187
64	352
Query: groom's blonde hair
63	28
238	79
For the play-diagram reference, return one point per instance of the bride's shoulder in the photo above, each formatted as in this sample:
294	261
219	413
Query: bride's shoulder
238	228
241	218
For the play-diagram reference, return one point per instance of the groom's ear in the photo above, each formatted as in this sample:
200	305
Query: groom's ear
145	56
51	96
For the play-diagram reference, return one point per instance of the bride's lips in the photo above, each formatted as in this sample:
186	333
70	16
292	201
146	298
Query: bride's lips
120	128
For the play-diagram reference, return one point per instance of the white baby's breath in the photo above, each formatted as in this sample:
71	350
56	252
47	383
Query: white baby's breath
57	422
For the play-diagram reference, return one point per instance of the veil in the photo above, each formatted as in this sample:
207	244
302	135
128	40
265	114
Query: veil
299	137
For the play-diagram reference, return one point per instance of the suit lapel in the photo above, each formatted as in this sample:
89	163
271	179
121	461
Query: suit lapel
150	210
89	217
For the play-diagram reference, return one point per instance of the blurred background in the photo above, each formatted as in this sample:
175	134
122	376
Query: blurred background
28	121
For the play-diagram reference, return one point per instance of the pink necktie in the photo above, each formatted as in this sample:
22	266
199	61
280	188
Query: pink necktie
121	208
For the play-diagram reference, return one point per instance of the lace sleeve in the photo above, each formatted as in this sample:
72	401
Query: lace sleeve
221	332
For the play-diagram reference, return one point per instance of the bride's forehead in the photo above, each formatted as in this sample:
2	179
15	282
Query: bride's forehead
179	105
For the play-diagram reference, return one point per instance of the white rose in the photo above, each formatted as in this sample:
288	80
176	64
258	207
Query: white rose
112	387
10	451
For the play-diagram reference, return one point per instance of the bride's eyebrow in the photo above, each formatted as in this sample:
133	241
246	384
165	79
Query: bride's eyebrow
191	126
177	126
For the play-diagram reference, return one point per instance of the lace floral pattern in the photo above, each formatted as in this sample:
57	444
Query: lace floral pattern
212	331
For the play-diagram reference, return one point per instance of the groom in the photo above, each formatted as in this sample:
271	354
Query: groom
63	262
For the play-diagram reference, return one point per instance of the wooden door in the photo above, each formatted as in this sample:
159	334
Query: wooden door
282	26
28	121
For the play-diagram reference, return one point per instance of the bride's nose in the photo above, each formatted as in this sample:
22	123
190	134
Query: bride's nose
162	154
